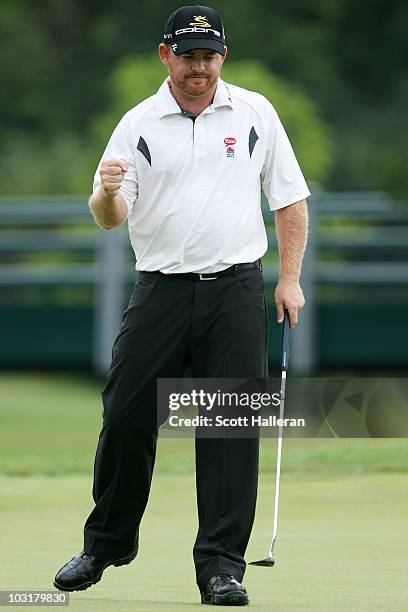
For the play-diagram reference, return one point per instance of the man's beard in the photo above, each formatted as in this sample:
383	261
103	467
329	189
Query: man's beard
190	86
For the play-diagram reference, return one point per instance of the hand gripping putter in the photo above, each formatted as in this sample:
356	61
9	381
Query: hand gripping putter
270	559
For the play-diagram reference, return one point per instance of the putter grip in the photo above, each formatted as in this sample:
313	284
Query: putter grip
285	341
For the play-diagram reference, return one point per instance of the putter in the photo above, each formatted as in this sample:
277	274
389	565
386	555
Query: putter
270	559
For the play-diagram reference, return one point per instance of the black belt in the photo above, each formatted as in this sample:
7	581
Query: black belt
255	265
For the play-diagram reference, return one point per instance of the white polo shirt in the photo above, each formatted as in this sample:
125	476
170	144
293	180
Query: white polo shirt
193	190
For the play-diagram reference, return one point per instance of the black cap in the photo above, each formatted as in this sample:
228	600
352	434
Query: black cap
194	27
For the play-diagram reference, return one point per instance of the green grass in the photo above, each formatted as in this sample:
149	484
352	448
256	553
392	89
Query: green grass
49	424
342	544
342	525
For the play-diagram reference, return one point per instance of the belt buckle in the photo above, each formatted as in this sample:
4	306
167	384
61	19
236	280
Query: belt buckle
203	278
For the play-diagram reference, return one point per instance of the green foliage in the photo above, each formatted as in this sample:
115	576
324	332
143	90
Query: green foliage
64	163
26	61
349	58
374	155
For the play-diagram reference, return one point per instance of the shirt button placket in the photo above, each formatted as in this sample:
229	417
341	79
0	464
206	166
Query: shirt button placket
199	141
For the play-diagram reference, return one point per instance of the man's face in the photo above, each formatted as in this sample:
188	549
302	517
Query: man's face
195	72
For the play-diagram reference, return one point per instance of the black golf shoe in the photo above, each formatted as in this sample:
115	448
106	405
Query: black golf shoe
85	570
224	590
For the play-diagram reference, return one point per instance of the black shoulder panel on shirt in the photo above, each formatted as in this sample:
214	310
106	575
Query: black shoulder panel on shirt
253	137
144	149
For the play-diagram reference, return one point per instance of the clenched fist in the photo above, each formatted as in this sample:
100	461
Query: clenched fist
112	174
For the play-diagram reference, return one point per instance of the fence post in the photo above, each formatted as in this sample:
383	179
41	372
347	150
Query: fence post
303	356
109	292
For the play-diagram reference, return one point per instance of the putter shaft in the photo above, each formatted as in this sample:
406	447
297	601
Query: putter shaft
270	561
278	463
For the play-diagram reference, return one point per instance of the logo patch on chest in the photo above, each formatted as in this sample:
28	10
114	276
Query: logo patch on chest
230	143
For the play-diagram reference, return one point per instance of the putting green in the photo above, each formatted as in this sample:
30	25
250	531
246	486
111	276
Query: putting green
342	544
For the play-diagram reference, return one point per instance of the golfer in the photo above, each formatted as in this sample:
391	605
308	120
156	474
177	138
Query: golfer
185	168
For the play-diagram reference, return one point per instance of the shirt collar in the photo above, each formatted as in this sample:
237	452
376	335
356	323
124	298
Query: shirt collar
167	105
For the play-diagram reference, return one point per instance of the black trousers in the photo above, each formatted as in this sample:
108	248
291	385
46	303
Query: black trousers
219	329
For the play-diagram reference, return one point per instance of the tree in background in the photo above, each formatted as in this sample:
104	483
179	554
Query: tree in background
347	57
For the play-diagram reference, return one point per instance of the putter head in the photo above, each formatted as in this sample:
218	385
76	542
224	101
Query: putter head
268	562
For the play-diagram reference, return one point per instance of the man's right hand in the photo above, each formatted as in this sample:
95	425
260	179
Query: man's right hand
112	173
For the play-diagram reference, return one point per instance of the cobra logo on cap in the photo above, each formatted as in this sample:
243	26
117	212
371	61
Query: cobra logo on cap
200	20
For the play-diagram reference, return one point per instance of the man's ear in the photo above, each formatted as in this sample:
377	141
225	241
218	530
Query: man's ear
225	53
164	52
